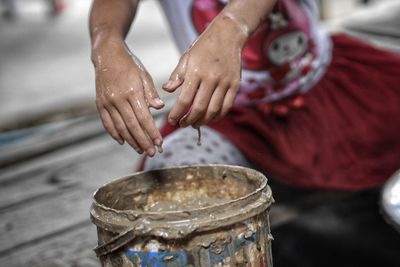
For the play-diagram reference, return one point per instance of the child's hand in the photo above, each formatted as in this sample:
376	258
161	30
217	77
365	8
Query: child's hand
208	74
124	93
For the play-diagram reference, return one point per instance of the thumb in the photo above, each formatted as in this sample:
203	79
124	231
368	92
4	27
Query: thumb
151	95
177	76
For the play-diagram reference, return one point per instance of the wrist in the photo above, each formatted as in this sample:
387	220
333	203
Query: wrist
231	29
241	25
105	43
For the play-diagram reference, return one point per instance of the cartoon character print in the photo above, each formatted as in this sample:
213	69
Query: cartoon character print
287	48
276	56
288	45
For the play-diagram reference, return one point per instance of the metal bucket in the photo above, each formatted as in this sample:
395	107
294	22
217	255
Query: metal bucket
213	215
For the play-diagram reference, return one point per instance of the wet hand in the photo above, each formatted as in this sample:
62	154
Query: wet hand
124	94
208	75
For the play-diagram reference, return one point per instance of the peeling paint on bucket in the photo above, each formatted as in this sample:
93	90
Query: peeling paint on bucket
211	215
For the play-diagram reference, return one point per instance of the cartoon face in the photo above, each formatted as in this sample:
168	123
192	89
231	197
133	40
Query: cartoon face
287	47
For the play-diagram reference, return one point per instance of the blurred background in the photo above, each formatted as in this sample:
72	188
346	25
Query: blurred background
54	152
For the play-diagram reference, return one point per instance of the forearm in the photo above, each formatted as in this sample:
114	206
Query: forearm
110	22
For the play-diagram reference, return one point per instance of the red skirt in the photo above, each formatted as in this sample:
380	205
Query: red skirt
347	135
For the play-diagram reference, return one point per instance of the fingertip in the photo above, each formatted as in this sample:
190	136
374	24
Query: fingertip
183	123
169	90
117	138
199	123
167	85
151	152
172	121
172	85
158	142
156	103
155	107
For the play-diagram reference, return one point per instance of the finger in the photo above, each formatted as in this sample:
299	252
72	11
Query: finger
177	76
109	125
185	98
135	130
214	108
151	94
228	103
200	104
145	119
122	129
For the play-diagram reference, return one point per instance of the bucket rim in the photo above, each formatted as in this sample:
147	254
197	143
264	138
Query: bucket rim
125	177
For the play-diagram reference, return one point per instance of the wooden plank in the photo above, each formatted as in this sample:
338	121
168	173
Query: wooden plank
72	248
68	155
42	185
49	138
25	225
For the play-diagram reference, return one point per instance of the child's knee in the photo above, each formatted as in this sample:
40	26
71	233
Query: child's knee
180	148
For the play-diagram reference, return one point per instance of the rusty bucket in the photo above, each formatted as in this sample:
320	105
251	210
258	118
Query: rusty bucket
212	215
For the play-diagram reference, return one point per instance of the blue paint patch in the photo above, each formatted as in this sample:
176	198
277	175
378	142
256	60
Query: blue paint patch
219	258
181	257
159	259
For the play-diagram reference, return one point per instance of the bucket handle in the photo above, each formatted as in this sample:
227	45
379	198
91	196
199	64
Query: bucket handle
115	243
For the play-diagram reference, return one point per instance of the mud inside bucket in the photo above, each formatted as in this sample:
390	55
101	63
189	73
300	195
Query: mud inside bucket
184	216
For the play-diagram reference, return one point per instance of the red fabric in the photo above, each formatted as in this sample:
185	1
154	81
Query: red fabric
347	134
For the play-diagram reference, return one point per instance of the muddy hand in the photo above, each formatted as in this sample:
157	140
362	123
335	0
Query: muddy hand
208	75
124	94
